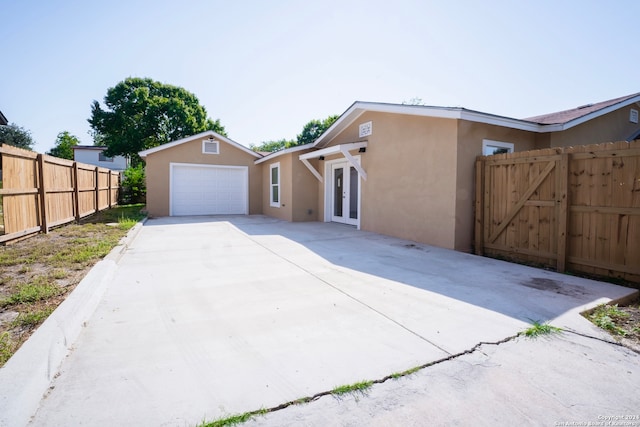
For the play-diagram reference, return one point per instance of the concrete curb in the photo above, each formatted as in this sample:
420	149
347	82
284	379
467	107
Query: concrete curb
26	377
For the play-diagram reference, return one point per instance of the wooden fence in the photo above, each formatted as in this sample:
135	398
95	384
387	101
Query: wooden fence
39	191
575	208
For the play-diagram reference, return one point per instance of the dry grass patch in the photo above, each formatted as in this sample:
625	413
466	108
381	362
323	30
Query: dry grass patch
36	274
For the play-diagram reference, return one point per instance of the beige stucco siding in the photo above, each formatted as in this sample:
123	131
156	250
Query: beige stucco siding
470	138
157	171
304	190
410	190
284	211
611	127
298	188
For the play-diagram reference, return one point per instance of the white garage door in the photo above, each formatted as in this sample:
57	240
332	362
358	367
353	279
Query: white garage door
208	189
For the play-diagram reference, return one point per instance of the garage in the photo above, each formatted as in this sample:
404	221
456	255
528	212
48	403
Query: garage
200	189
203	174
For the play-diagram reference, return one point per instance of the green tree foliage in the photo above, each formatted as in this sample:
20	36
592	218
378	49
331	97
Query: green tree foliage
16	135
133	188
64	146
272	146
142	113
310	132
314	129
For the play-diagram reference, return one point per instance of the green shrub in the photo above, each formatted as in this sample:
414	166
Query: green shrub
133	187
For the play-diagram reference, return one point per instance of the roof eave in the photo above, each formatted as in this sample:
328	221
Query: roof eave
358	108
145	153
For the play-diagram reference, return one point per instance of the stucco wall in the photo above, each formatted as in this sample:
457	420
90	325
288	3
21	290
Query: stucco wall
611	127
298	189
284	211
157	172
305	190
470	137
410	191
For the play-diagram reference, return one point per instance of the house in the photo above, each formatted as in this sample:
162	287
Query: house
3	120
204	174
94	155
400	170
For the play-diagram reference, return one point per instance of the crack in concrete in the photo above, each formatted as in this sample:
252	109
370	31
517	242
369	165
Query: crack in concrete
618	344
382	380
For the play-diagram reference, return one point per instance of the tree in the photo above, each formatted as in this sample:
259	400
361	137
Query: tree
17	136
64	146
142	113
312	130
272	146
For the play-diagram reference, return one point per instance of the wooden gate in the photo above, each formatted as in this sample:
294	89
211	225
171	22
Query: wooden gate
575	208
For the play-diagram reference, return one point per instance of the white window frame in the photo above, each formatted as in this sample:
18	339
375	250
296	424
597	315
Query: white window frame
274	203
103	158
210	141
489	144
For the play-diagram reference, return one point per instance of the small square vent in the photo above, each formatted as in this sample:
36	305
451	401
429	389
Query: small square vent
366	129
210	146
633	116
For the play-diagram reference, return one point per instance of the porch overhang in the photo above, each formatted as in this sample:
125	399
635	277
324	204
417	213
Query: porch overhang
336	149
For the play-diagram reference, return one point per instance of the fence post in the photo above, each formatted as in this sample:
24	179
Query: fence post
478	242
562	201
76	191
109	195
42	195
97	189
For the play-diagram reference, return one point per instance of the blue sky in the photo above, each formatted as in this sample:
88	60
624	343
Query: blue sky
265	68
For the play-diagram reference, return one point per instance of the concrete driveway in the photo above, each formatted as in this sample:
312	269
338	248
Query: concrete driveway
210	316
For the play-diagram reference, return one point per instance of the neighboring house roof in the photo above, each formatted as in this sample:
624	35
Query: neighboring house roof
274	154
209	133
588	109
3	119
540	124
89	147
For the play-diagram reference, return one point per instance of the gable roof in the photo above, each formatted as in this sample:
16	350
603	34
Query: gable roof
3	119
200	135
562	117
540	124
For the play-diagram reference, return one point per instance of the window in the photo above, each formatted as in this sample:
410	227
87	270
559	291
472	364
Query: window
210	146
103	158
274	196
495	147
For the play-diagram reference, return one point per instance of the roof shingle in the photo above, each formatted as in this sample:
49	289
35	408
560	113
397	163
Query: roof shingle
565	116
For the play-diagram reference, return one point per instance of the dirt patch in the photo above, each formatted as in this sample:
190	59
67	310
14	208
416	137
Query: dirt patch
622	322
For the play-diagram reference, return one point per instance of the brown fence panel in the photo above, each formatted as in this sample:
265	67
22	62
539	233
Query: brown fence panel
59	188
86	189
104	176
20	199
576	208
39	192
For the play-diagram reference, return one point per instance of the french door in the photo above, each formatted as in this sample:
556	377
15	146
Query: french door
345	193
